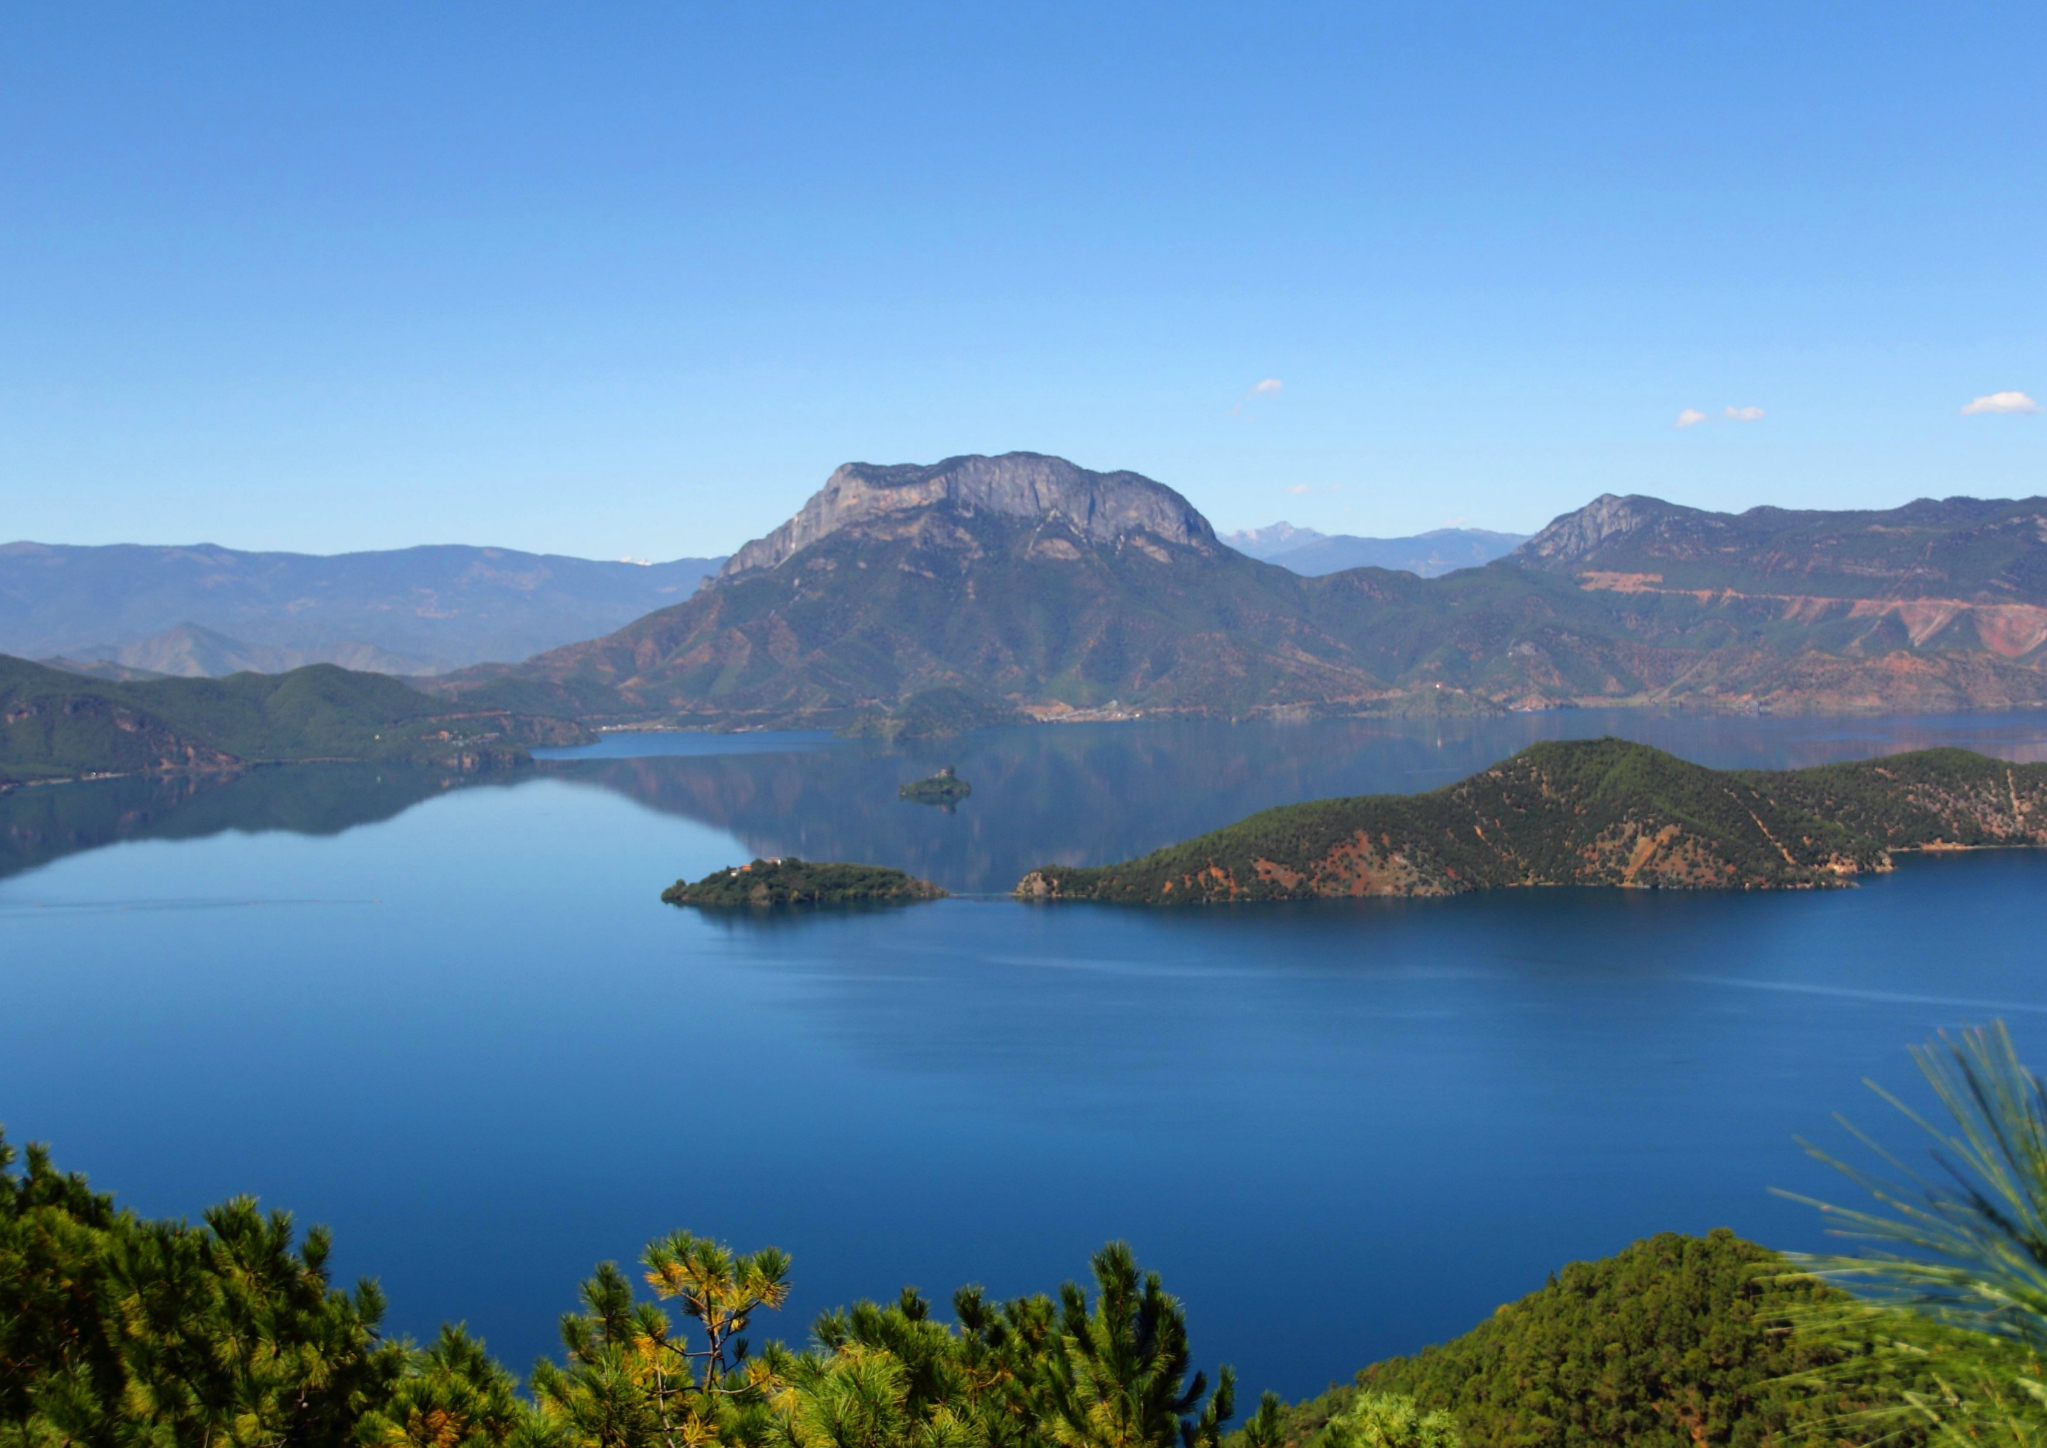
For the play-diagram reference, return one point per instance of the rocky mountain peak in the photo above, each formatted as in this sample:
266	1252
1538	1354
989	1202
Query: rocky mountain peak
1098	507
1599	522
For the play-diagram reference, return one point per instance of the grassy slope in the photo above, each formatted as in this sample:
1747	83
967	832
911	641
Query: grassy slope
1674	1342
801	882
55	725
1591	812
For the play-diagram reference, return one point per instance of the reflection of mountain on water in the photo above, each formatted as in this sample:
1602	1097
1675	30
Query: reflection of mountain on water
1072	794
46	823
1093	794
1081	794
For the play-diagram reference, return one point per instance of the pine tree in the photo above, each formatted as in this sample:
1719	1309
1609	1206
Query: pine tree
115	1331
633	1380
453	1395
1117	1377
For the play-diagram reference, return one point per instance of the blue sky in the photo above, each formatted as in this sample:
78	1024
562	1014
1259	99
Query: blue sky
630	280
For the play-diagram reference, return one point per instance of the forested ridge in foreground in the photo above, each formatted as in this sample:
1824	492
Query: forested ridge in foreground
1675	1341
1590	812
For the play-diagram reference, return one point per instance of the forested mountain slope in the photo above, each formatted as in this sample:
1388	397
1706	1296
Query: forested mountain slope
57	725
1590	812
1024	583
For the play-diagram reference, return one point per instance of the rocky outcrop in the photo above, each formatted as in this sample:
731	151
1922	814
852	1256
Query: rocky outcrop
1575	535
1098	507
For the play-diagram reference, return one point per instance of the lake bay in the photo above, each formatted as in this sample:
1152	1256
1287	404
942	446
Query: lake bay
452	1020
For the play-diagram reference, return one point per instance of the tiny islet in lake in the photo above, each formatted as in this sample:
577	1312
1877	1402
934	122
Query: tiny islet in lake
457	1025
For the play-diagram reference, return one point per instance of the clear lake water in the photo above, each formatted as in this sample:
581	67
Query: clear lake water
452	1020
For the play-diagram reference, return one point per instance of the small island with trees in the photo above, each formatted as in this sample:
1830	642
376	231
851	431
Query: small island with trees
944	789
790	881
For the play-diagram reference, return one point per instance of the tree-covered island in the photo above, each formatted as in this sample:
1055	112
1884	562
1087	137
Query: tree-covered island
943	788
1591	812
790	881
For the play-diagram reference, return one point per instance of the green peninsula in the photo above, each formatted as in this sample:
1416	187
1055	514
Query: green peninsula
791	881
60	726
1591	812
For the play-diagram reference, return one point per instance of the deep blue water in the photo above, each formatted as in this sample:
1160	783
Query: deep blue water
457	1025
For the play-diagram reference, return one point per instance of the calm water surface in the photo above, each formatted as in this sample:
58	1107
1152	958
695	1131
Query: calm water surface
454	1022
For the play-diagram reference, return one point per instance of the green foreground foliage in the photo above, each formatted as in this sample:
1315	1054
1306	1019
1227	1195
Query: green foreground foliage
1590	812
117	1332
790	881
1675	1342
121	1332
1962	1249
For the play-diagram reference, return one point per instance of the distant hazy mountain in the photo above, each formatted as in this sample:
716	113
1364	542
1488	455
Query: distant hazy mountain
1024	583
1267	543
191	652
212	610
105	669
1431	554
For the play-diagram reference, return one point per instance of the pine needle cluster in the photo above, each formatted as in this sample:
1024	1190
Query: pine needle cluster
1951	1283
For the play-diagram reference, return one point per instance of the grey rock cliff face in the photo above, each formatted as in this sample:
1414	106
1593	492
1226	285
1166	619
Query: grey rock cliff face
1099	507
1575	535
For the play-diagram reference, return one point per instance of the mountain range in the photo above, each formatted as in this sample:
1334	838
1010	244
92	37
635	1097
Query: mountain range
205	610
1429	555
1023	585
930	598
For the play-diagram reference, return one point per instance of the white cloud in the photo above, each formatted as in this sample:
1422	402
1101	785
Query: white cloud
1268	388
1692	417
2011	404
1300	488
